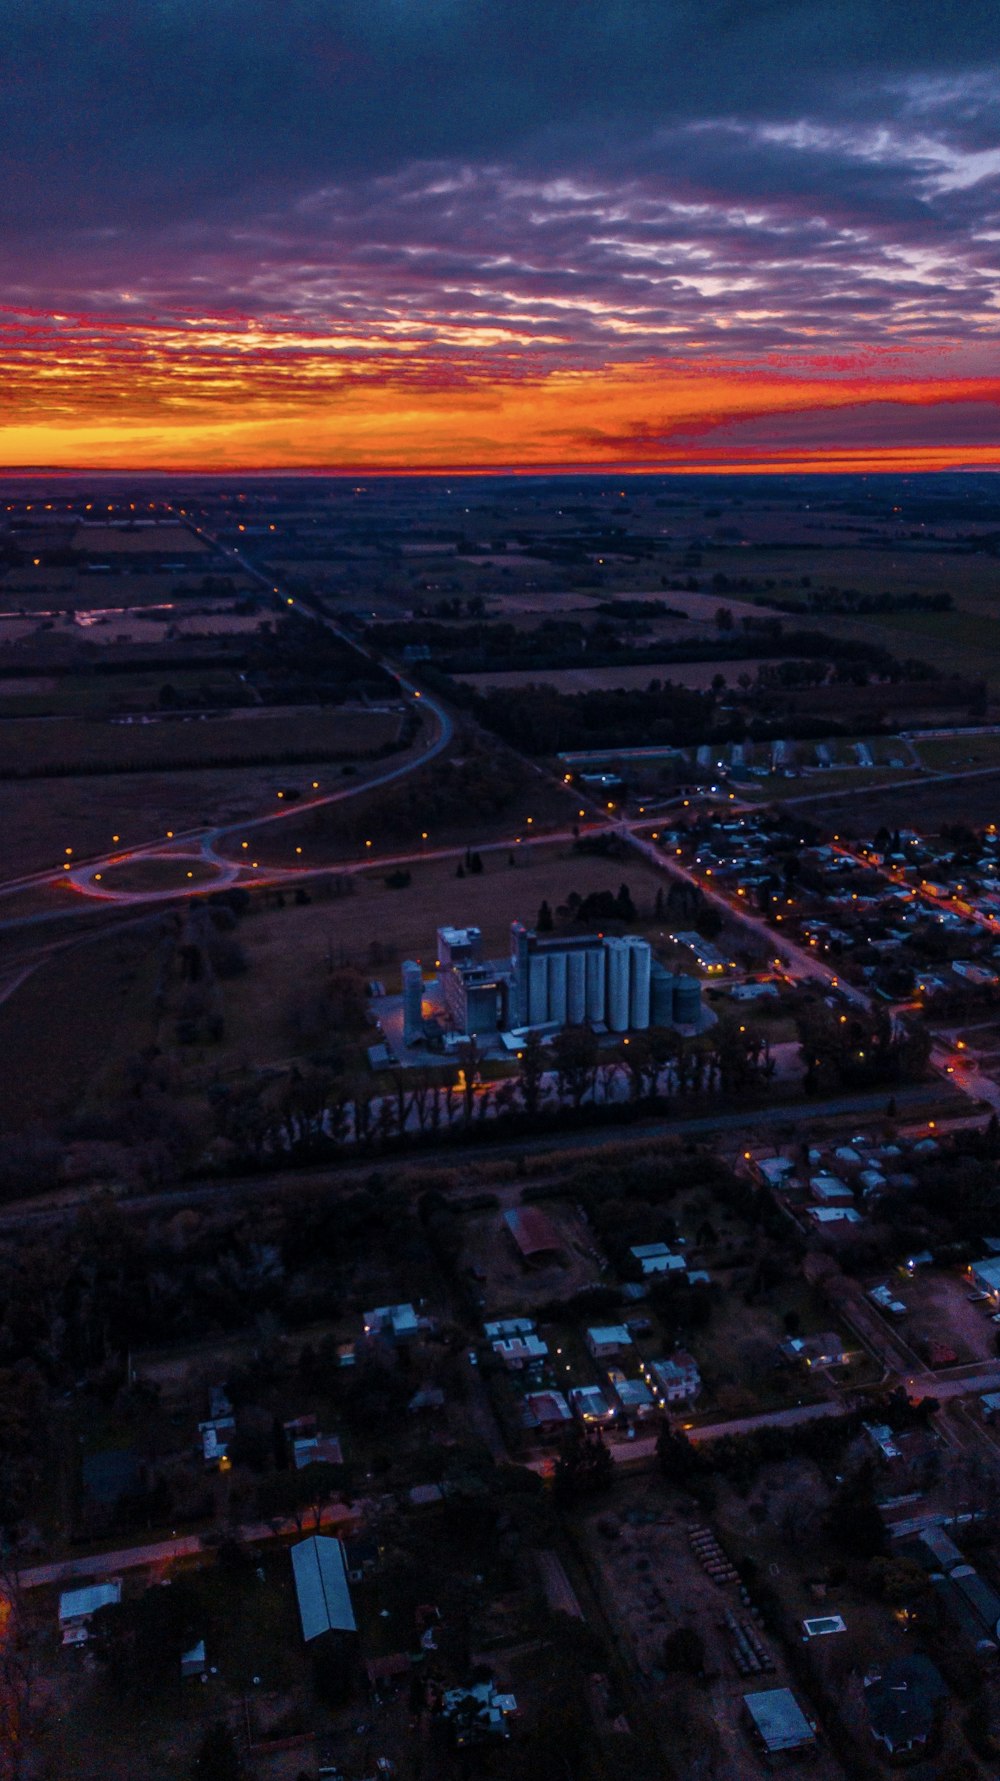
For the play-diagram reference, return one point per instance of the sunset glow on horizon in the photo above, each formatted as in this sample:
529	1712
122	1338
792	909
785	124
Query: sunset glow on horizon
444	242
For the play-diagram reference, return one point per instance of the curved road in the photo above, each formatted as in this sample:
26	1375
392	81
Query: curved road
201	846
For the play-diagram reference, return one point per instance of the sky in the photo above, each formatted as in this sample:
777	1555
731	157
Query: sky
473	234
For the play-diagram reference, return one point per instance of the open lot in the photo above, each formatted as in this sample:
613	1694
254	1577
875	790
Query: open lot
650	1584
506	1284
698	675
974	800
938	1307
378	924
69	1027
33	746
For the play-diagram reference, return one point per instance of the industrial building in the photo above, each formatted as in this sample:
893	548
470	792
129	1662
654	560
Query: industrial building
547	982
553	980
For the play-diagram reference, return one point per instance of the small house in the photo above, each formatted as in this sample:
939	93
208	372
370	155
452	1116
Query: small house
604	1341
657	1258
546	1411
904	1701
517	1352
215	1438
590	1405
398	1321
673	1381
77	1605
985	1277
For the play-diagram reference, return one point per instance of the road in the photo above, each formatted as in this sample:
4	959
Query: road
742	1124
200	845
159	1553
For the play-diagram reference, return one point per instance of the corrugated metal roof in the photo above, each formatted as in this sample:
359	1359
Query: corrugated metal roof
779	1719
321	1586
75	1604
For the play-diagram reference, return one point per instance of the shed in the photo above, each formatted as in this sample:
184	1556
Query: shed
533	1232
193	1662
657	1258
77	1605
985	1276
321	1586
778	1721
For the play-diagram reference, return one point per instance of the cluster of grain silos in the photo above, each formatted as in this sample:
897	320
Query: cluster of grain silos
413	994
564	982
674	1001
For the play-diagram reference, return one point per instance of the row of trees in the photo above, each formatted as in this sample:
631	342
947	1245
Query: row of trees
315	1112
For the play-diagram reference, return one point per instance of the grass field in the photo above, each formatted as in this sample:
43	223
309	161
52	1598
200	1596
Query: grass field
959	753
698	675
158	540
65	1031
975	801
340	833
289	950
38	822
32	746
95	695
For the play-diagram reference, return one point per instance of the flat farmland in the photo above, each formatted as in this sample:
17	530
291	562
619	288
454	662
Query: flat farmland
698	675
92	694
39	822
396	819
66	1030
33	746
96	539
973	798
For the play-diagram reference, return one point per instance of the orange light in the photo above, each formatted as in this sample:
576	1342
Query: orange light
170	834
298	850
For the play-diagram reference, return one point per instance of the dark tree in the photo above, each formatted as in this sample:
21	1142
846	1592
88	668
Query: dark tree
218	1757
684	1649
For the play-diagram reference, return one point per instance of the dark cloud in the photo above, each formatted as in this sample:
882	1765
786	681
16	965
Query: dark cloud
446	191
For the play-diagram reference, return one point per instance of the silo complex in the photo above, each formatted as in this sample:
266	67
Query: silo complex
596	981
538	990
557	988
413	994
548	980
687	1001
639	963
576	988
617	955
661	1003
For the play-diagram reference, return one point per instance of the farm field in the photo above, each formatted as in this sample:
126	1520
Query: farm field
39	822
958	753
170	538
400	821
974	800
33	746
97	695
698	675
73	1023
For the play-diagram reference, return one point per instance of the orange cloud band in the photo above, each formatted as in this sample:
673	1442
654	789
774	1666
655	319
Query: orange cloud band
215	395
